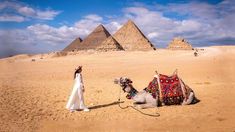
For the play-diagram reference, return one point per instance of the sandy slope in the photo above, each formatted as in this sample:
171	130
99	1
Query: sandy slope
33	94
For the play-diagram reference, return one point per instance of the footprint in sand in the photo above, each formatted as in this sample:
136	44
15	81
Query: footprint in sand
201	83
220	119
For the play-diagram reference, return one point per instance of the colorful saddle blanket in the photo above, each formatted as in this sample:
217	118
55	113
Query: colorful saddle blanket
170	88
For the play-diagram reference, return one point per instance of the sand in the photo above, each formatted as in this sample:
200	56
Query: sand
34	93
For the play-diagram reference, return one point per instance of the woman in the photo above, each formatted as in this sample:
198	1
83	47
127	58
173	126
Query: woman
76	100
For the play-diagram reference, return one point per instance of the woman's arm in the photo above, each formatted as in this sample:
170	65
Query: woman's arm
82	84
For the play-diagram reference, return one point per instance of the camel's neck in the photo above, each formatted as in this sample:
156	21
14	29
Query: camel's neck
132	93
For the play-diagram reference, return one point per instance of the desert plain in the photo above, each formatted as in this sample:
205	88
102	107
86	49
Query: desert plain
34	90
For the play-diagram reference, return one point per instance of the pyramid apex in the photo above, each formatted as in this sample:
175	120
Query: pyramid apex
100	26
130	21
93	40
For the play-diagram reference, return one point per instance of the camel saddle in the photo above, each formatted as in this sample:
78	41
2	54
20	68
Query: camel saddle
170	91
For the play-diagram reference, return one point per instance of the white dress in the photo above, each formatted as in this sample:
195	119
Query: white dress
76	100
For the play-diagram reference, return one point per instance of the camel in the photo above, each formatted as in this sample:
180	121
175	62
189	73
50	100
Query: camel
158	95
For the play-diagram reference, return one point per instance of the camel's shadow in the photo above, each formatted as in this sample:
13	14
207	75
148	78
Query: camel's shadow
105	105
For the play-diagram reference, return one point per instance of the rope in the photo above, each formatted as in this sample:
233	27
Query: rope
128	106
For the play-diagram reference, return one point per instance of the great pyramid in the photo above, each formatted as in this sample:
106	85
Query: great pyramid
130	37
75	45
95	38
179	43
109	44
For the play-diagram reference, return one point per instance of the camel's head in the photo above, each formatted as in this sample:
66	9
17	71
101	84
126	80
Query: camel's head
125	83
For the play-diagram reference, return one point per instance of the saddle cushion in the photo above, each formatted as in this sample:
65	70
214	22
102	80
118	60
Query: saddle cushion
170	89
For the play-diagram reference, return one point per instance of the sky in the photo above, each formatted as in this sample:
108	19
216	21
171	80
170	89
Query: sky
30	26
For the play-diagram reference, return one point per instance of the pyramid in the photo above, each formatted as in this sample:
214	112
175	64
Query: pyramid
109	44
130	37
94	39
75	45
179	43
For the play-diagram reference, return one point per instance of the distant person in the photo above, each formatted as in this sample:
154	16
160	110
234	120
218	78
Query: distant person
195	53
76	99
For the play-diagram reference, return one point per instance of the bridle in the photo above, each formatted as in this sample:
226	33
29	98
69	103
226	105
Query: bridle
125	83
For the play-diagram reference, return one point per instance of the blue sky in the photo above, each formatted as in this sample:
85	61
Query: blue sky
30	26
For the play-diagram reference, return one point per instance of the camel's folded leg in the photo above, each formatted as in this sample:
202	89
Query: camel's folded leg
140	98
150	102
189	100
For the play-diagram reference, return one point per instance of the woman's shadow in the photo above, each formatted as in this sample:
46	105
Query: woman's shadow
105	105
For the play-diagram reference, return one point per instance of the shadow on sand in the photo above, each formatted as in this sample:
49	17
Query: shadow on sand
105	105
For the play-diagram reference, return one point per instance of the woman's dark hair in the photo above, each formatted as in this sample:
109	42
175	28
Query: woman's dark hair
78	70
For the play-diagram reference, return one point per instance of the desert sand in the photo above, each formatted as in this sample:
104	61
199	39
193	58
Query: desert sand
34	93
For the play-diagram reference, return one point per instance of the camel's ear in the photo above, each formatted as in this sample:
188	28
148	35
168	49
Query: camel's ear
129	80
175	72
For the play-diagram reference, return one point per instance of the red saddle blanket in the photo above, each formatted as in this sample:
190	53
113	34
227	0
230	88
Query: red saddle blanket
170	88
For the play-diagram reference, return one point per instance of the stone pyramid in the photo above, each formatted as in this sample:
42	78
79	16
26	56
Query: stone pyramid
179	43
130	37
75	45
94	39
109	44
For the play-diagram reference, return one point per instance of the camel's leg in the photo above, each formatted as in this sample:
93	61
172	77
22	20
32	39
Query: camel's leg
139	98
189	100
150	102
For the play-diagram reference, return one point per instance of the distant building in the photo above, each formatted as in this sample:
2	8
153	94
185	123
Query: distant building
179	44
128	37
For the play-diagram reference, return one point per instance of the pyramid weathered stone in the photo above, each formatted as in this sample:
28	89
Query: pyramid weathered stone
94	39
130	37
75	45
179	43
109	44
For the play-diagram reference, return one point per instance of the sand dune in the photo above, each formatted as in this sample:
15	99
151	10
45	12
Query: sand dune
34	93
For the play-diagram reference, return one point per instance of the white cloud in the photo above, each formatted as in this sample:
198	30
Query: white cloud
7	18
25	12
153	35
94	17
44	38
187	26
87	24
51	35
113	26
46	15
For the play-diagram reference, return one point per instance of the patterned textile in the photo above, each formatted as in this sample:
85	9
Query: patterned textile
132	93
171	90
153	88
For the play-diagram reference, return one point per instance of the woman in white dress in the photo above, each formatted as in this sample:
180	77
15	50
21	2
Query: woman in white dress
76	99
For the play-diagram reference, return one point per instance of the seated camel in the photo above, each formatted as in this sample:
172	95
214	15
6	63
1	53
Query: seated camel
162	90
